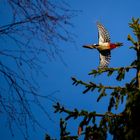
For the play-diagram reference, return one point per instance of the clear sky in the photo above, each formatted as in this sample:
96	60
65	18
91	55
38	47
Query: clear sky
115	16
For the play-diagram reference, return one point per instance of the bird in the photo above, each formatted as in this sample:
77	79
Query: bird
104	46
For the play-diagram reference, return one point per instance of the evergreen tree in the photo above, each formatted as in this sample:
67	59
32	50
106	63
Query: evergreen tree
122	126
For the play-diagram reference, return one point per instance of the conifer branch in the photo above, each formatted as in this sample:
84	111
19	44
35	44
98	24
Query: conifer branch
91	86
136	30
111	70
75	113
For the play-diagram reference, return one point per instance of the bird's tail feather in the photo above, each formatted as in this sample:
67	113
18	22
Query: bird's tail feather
90	46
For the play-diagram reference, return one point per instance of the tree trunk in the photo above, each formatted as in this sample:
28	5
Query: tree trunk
138	57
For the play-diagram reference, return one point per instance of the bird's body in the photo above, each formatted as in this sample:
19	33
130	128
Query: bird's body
104	46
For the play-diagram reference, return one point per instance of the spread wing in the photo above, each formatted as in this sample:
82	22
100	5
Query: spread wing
103	34
105	57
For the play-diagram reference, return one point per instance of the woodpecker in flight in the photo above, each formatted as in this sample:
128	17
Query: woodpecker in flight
104	46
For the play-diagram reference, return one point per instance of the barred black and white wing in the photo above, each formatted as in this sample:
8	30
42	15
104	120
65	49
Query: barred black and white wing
105	57
103	34
104	37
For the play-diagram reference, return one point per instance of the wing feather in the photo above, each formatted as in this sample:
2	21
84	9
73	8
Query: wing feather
105	57
103	34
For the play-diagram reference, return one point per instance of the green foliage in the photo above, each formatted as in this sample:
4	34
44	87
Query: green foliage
124	125
47	137
136	28
121	71
121	74
64	135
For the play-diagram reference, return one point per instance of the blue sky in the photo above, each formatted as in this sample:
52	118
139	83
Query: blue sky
115	16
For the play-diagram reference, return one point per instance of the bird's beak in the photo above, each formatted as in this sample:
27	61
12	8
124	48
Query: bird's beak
119	44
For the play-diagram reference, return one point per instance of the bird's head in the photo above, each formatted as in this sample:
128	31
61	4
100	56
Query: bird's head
115	45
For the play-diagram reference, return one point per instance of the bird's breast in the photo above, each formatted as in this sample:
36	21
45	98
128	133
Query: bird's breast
104	46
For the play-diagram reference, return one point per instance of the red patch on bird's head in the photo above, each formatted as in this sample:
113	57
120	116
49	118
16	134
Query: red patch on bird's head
112	46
